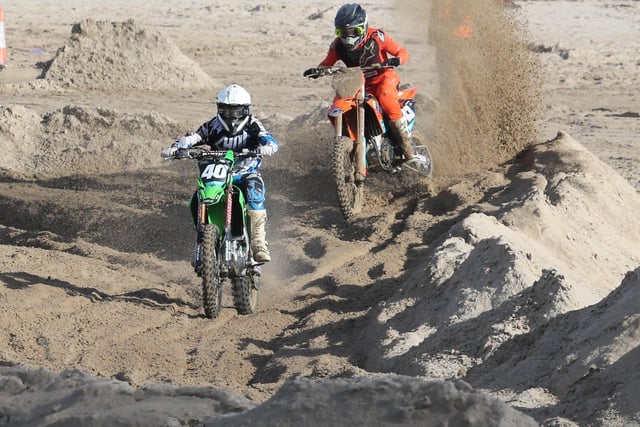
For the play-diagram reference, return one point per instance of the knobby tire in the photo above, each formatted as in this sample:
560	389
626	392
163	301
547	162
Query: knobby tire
349	197
419	147
245	293
211	281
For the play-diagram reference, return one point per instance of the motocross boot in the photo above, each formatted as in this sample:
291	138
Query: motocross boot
258	235
401	135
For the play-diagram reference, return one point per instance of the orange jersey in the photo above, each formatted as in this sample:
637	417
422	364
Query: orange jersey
375	49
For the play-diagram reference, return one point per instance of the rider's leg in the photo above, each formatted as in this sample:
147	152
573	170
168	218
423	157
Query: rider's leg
255	190
259	235
401	133
387	95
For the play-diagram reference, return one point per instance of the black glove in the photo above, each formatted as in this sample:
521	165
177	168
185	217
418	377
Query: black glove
392	62
312	73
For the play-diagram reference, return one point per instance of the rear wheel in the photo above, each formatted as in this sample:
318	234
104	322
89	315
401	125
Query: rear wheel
349	192
211	281
245	293
425	167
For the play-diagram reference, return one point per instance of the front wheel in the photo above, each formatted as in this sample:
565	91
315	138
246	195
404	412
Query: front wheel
211	281
349	191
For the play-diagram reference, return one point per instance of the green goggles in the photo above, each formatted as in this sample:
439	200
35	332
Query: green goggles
350	31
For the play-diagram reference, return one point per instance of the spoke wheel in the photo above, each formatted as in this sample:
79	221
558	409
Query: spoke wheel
211	281
245	293
350	195
425	168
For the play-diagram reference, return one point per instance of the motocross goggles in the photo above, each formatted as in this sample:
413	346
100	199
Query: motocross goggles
233	112
350	31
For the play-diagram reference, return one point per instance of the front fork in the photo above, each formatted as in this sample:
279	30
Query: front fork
227	226
197	252
359	151
360	148
202	220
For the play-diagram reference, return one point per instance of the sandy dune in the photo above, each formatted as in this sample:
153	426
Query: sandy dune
504	290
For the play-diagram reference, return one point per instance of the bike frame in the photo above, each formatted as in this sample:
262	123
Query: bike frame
217	199
361	130
216	195
350	94
223	244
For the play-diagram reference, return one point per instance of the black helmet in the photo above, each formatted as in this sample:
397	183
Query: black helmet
351	24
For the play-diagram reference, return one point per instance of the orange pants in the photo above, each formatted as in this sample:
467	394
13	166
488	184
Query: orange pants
386	91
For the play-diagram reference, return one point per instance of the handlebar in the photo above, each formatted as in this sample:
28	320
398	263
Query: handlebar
321	71
202	153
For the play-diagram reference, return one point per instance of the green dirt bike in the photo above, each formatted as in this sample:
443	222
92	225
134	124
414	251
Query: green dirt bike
223	243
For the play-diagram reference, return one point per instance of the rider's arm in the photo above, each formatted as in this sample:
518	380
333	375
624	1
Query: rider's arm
206	132
389	45
332	56
264	136
188	140
268	139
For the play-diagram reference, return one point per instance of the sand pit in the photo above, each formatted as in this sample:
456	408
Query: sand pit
506	284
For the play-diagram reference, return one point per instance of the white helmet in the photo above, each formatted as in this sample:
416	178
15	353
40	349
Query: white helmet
234	104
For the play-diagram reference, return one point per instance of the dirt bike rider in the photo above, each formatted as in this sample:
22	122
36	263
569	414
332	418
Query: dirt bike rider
358	45
234	128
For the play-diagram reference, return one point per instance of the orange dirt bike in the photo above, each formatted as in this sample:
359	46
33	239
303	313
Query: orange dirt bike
362	136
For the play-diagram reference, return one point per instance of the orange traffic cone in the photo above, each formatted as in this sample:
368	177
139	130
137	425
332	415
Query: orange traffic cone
464	30
3	46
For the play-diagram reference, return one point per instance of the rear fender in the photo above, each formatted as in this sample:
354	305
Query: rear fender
406	97
407	93
408	107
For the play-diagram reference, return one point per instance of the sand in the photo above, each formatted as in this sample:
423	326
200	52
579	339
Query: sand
505	287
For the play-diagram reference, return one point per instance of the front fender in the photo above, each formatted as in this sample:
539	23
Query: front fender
215	201
341	106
